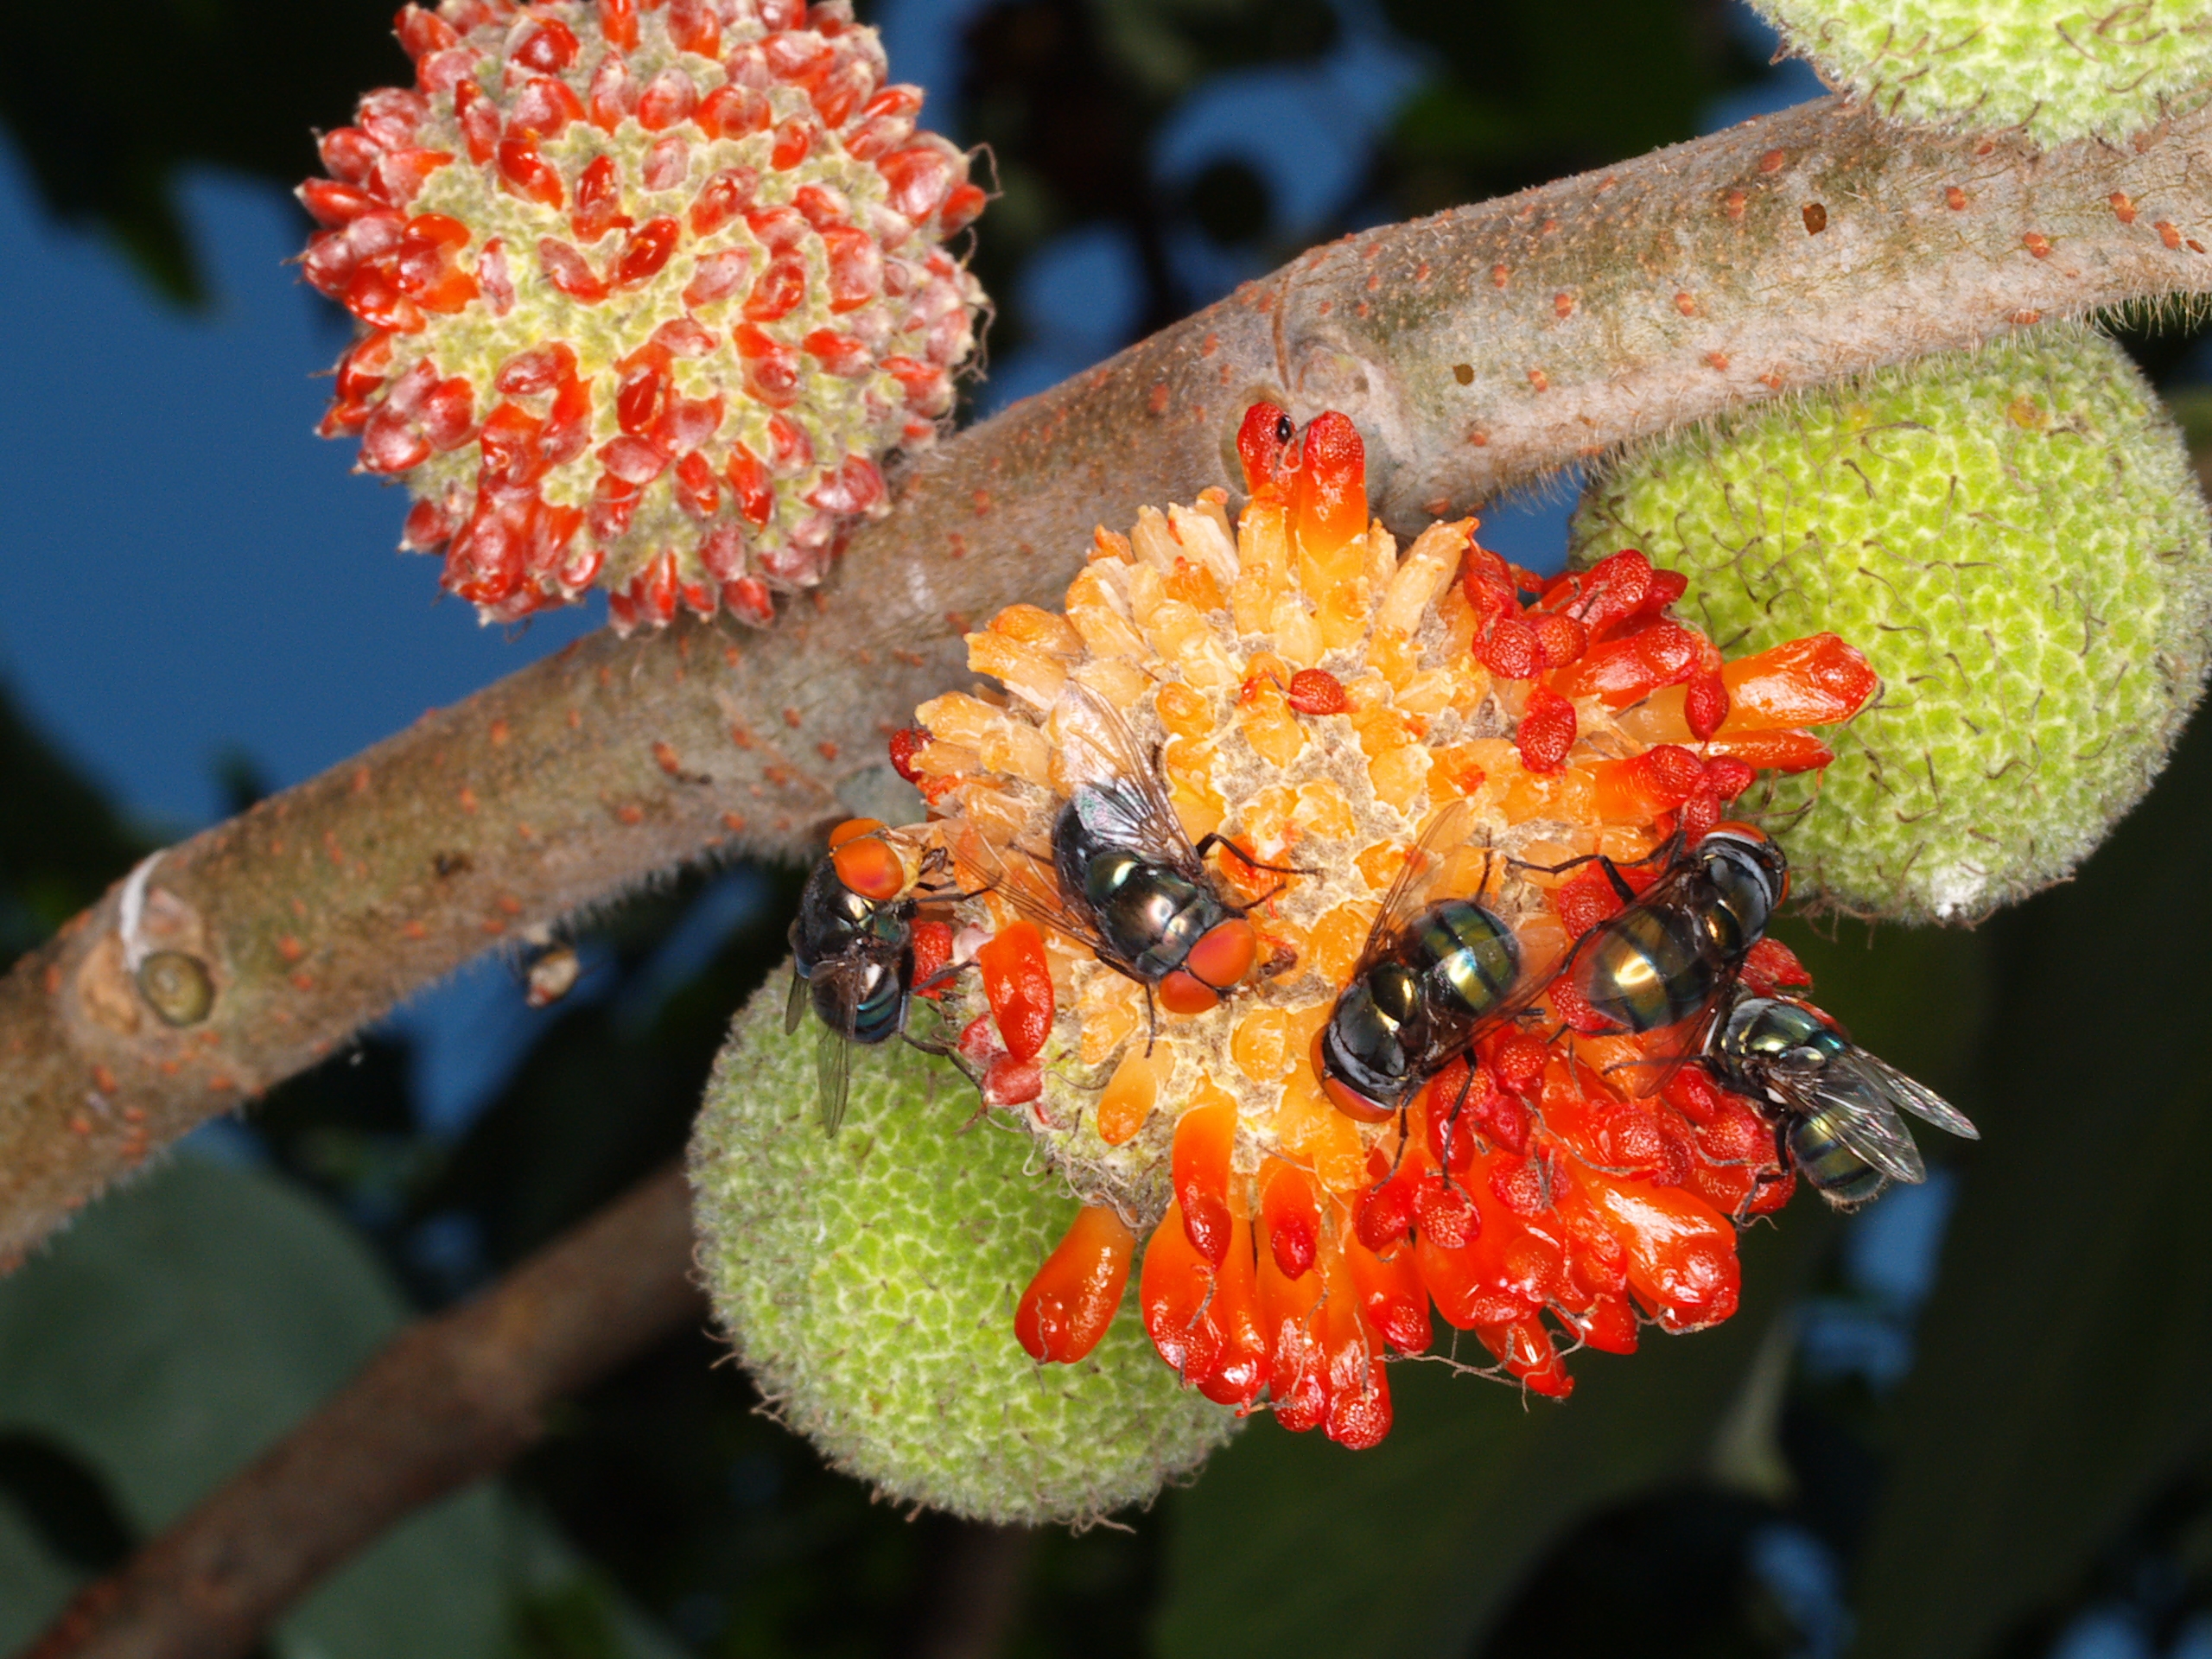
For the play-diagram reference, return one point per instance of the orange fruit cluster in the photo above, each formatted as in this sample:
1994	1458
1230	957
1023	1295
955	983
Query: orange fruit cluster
1301	687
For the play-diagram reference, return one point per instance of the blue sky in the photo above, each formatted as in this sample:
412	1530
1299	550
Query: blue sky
187	566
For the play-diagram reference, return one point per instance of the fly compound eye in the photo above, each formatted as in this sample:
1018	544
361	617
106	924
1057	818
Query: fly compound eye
868	865
1342	1094
1185	993
1224	955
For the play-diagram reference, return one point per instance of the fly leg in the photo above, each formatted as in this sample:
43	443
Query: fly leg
1666	850
1208	841
1619	882
942	977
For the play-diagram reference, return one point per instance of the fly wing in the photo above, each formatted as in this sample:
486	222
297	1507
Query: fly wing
795	1004
1663	895
1410	891
833	1044
1866	1124
1663	1052
1027	879
1873	1078
1126	802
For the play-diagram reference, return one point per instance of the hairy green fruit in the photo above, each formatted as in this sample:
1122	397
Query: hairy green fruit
869	1282
2015	538
2053	69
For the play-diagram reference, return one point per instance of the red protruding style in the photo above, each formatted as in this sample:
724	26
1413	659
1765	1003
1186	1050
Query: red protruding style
1240	1362
1205	1140
1076	1293
1814	682
1173	1288
1317	692
1328	495
1261	442
932	956
1018	982
906	743
1772	966
1705	705
1290	1218
1545	733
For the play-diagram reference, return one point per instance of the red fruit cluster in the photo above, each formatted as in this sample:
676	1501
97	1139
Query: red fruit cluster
646	288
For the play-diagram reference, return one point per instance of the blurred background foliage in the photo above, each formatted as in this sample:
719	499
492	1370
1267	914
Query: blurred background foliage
1971	1421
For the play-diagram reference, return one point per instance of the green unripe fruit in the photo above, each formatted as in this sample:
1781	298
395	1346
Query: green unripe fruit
2015	540
869	1284
2051	68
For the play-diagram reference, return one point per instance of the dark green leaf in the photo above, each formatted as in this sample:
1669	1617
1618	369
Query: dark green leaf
182	1325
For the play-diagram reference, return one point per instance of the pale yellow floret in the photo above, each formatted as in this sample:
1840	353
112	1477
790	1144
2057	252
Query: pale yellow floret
1037	678
1155	543
1429	564
1098	609
1206	539
1262	569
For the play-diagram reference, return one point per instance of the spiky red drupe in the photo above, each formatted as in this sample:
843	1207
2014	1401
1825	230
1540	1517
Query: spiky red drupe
646	291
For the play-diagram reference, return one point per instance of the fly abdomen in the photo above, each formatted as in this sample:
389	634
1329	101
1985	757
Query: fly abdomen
1648	967
1468	956
878	1010
1842	1177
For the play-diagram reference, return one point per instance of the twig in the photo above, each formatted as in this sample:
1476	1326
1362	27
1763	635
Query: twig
1476	350
449	1400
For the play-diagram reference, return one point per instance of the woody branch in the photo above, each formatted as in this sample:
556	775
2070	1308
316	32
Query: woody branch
1476	350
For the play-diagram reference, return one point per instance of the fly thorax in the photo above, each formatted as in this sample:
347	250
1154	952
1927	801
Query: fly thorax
1155	915
1393	991
1364	1037
1745	890
1104	876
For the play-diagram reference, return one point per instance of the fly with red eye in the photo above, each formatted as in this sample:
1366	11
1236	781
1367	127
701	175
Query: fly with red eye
853	947
1120	874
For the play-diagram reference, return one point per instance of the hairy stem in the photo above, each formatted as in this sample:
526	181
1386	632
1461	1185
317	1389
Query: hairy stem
1476	350
448	1401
